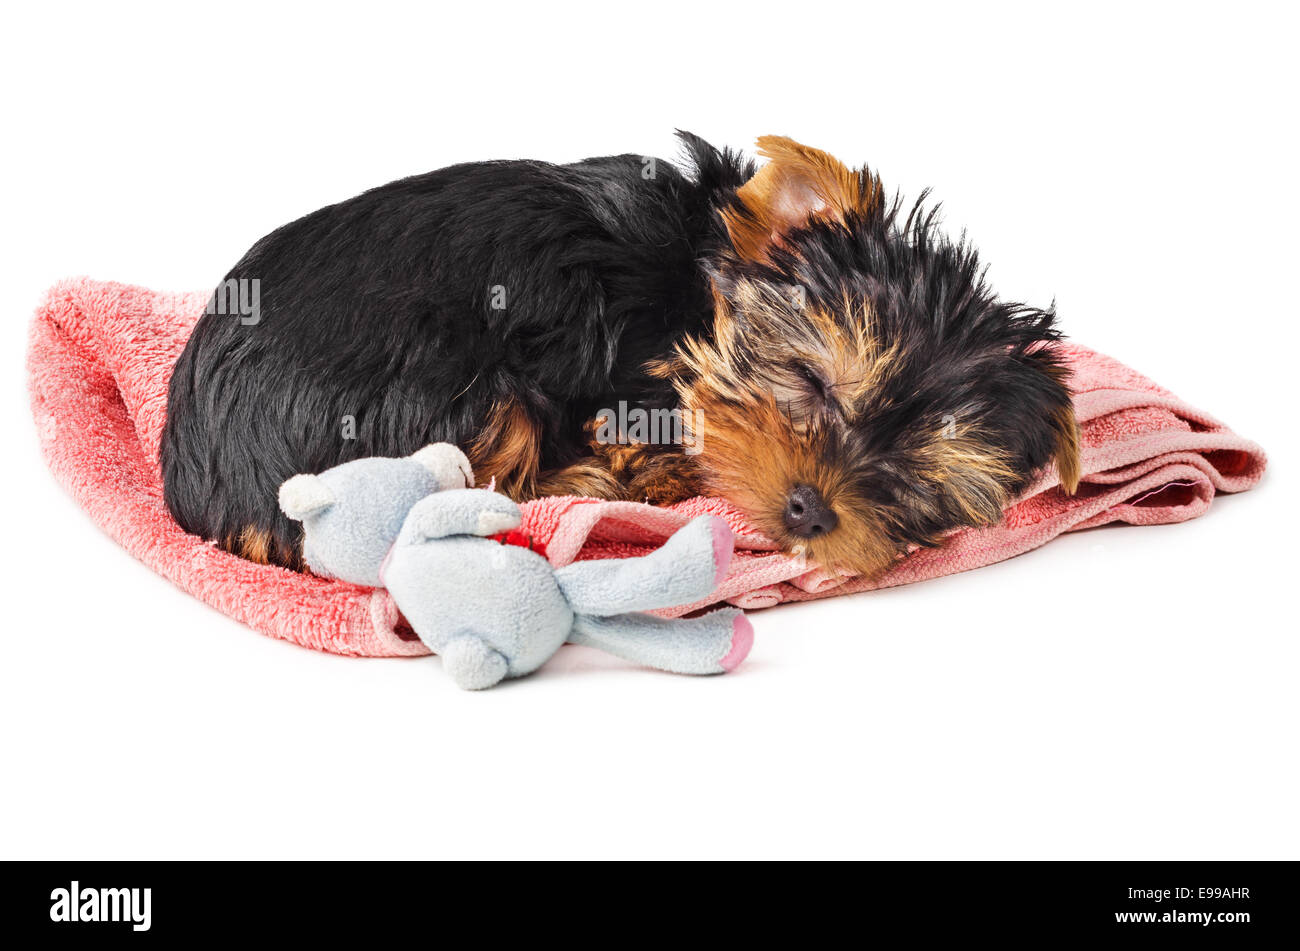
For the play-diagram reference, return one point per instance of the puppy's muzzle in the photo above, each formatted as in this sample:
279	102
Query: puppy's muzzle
807	514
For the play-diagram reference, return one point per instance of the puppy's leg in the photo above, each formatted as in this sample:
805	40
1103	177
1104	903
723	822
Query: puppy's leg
588	477
632	473
508	450
660	475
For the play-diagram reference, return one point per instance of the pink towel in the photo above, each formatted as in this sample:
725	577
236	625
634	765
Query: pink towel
101	354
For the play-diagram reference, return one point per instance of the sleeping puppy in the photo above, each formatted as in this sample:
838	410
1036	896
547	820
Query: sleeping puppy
841	372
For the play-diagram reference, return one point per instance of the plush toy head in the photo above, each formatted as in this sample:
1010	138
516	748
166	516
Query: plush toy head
352	513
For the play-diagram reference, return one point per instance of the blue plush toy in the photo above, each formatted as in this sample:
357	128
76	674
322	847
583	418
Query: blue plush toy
493	610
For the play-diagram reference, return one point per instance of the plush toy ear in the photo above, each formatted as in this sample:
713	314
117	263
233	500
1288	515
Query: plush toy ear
303	496
797	184
448	464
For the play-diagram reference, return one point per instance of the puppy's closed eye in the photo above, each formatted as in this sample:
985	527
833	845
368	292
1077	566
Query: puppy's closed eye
801	391
816	384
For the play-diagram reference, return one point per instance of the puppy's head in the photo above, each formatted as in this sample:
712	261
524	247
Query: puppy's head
862	391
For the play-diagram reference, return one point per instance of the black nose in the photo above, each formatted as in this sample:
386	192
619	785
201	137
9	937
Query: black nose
807	514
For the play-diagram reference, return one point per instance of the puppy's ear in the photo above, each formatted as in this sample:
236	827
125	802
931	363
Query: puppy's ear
1066	430
304	496
798	184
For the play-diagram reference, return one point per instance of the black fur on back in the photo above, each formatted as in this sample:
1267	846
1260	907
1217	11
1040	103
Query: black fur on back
380	308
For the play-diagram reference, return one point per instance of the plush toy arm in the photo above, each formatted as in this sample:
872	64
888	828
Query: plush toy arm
687	568
447	464
459	512
713	643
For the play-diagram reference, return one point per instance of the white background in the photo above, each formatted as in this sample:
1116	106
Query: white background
1122	693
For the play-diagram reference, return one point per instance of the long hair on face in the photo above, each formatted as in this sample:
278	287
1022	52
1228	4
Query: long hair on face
868	361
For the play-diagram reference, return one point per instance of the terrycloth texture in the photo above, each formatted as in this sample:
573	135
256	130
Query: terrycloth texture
101	354
494	611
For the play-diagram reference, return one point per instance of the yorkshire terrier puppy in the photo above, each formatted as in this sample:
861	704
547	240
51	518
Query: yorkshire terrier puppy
843	374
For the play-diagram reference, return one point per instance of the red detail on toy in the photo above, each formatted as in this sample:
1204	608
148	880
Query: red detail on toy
521	540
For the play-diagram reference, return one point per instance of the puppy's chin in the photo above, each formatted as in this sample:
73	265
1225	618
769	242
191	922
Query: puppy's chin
857	546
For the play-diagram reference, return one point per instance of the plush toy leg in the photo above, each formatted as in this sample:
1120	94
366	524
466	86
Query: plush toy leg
713	643
687	568
472	664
